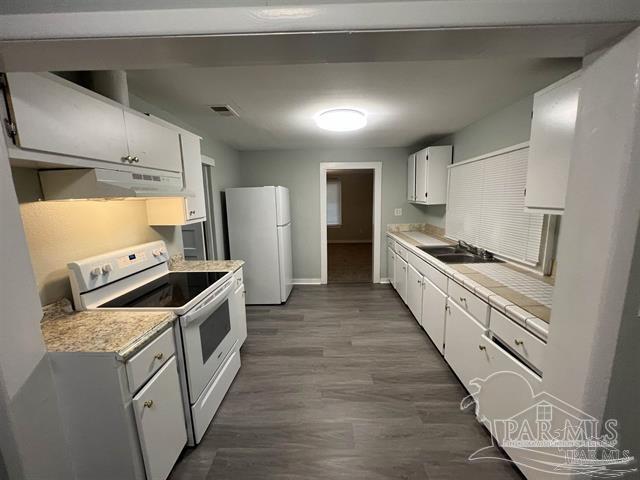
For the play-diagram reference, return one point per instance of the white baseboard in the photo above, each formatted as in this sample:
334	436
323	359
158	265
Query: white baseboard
385	280
348	241
306	281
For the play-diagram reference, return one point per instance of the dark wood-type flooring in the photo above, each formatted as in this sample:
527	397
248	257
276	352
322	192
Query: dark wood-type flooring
349	262
341	383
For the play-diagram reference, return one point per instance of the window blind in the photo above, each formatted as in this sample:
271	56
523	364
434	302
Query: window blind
334	207
485	206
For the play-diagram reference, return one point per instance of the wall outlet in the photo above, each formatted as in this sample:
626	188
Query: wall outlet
397	212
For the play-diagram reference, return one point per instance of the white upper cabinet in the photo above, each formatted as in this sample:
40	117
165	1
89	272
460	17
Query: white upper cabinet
431	175
411	178
151	144
552	129
190	209
68	125
192	171
55	116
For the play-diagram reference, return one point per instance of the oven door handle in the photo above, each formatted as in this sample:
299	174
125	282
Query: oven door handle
209	304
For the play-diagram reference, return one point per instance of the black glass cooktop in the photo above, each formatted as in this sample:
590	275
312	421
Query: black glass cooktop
172	290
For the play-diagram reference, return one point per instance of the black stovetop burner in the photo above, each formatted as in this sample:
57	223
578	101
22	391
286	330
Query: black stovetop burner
172	290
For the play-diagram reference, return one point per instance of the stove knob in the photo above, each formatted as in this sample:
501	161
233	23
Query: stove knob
96	271
106	268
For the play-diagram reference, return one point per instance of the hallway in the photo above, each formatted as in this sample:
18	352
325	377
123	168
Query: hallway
340	383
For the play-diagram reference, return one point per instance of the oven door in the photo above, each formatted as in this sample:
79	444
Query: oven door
207	338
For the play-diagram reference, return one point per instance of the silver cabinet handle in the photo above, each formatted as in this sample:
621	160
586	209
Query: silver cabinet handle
482	348
148	404
128	158
159	356
519	342
135	160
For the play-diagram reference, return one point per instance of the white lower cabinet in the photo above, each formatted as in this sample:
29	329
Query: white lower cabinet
434	302
391	265
401	277
463	350
160	419
414	292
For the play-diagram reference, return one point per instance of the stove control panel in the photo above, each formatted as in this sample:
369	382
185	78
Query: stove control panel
94	272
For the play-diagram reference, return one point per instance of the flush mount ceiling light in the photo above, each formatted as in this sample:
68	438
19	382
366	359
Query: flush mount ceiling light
341	120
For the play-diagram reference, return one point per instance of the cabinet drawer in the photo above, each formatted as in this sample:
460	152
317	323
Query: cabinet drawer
436	277
391	243
238	277
469	302
526	345
403	252
160	419
146	362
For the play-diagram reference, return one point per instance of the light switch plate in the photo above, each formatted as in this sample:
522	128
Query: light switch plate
397	212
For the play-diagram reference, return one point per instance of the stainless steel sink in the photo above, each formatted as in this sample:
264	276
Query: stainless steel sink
460	254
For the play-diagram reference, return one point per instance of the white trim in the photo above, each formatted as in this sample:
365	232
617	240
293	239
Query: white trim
208	160
385	280
377	211
347	241
306	281
495	153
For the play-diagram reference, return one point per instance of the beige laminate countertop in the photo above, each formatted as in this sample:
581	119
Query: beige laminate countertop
120	332
504	296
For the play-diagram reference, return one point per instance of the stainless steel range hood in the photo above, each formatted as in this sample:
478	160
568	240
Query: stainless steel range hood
98	183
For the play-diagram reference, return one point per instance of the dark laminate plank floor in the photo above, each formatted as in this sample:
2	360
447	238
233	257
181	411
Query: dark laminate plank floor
340	383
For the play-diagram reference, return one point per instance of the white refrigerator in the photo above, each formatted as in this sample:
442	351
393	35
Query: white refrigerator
259	228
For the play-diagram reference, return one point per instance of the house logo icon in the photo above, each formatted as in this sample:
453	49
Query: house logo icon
542	433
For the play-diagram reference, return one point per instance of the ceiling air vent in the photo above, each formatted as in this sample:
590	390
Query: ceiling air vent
224	110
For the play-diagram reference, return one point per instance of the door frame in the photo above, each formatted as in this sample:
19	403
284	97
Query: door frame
377	212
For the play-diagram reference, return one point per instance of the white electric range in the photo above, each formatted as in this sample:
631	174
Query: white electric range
138	278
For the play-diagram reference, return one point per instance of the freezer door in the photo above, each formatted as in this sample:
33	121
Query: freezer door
282	206
286	263
253	237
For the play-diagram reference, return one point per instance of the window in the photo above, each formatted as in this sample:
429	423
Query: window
485	206
334	203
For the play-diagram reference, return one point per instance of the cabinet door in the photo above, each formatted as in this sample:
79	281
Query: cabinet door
192	171
160	419
239	314
434	302
411	177
391	265
153	145
552	130
414	292
55	116
462	349
421	176
401	278
438	159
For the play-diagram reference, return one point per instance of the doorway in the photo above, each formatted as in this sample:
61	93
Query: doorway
350	222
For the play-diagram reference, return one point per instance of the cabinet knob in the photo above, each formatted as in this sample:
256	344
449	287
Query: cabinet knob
519	342
463	299
148	404
135	160
482	348
159	356
128	158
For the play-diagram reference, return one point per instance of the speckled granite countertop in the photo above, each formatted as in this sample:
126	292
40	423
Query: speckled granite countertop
179	264
123	333
504	296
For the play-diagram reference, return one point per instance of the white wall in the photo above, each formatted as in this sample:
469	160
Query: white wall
299	170
31	434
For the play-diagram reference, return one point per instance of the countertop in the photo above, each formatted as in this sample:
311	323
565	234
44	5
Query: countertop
521	295
179	264
123	333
